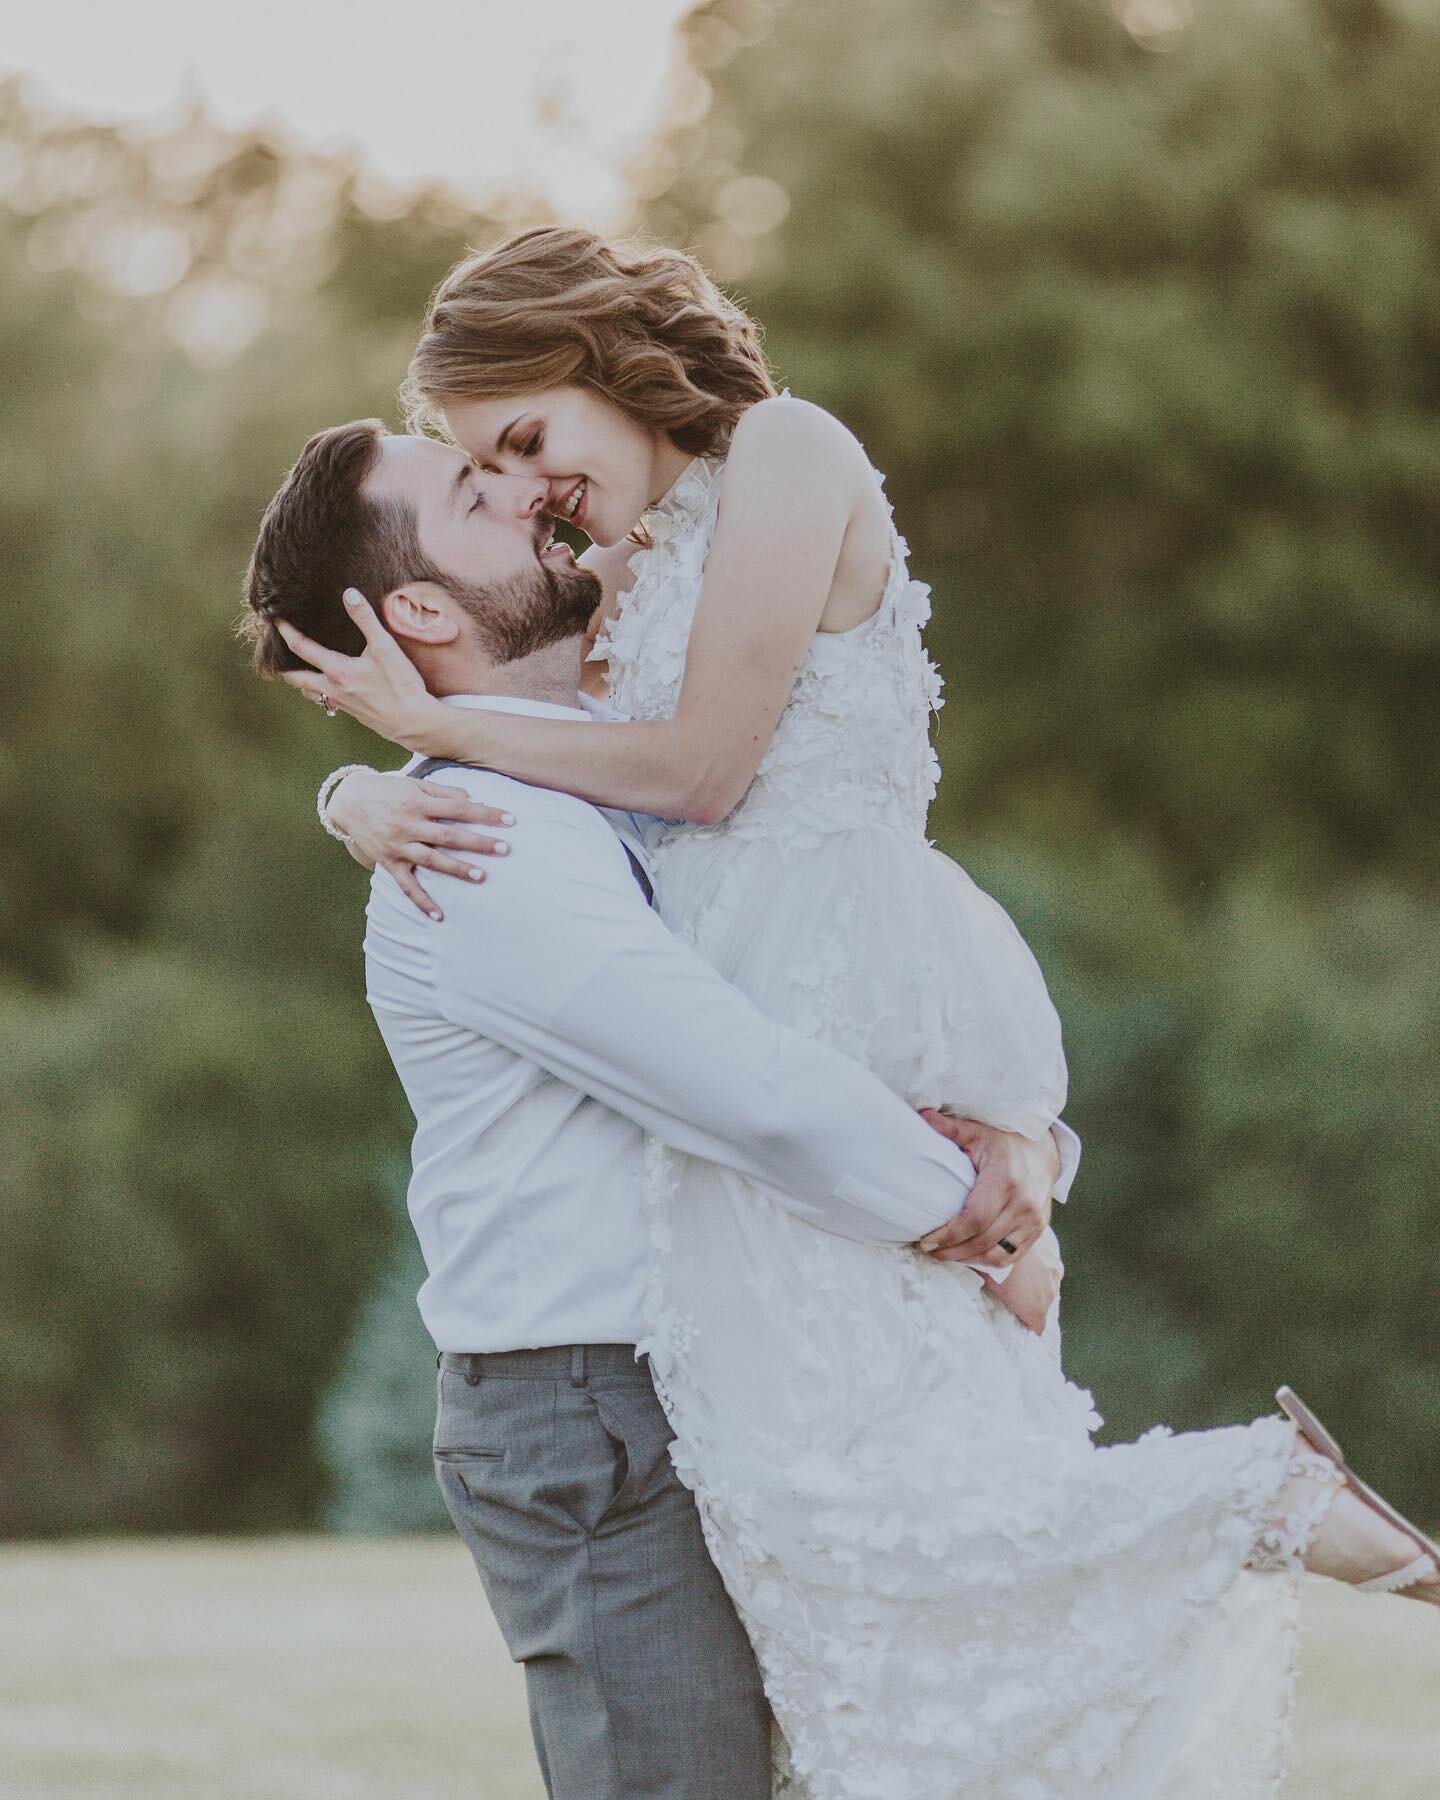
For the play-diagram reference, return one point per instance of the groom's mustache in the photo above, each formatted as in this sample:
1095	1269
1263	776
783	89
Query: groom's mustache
542	533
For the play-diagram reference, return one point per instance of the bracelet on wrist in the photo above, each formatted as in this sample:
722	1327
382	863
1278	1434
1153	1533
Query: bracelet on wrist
326	794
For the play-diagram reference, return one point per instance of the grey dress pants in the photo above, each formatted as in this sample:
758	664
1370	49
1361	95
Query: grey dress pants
642	1684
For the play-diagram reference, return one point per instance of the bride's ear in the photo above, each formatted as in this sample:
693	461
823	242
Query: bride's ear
420	613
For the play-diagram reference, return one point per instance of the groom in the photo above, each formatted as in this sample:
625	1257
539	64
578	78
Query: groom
541	1030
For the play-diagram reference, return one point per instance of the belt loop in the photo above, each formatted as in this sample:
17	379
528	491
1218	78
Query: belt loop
472	1369
577	1365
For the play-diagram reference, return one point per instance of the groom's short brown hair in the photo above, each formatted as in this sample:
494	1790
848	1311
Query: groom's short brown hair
321	534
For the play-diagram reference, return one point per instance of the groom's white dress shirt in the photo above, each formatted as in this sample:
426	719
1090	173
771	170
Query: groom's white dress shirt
546	1025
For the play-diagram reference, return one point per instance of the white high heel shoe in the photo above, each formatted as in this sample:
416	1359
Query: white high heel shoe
1405	1581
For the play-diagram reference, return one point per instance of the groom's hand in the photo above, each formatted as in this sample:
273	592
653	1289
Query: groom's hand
1012	1196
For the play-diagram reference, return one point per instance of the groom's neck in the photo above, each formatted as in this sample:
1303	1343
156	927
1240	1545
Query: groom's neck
551	674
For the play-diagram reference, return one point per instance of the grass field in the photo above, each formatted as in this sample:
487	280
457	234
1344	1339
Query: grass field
359	1669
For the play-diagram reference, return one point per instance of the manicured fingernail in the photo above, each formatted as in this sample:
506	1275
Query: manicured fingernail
502	849
436	917
507	818
352	596
476	874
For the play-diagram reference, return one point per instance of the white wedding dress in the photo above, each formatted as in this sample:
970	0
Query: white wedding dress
952	1590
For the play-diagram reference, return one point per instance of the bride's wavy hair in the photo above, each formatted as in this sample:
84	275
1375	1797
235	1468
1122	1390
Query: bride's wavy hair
647	329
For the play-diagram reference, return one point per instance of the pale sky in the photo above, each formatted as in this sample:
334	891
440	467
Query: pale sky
444	88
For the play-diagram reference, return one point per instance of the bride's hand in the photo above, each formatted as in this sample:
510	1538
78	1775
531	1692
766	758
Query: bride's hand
402	825
381	688
1034	1283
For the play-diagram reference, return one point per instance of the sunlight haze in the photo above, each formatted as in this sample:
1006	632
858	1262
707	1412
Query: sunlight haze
550	101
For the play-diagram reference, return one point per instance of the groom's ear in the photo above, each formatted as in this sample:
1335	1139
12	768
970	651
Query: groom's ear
420	613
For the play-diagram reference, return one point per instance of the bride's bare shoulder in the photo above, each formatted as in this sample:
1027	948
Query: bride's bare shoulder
775	437
784	418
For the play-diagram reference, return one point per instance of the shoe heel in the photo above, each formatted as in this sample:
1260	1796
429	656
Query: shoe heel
1300	1414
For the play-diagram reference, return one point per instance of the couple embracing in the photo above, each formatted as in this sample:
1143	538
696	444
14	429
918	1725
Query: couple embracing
737	1106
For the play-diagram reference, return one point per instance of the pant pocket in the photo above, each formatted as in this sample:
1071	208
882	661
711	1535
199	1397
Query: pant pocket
472	1470
635	1423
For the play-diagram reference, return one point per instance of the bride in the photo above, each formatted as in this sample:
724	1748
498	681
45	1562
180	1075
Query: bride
951	1588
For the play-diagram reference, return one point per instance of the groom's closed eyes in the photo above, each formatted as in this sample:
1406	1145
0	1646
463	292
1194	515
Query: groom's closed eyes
465	478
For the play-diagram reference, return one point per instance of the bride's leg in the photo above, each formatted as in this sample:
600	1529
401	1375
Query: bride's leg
1321	1523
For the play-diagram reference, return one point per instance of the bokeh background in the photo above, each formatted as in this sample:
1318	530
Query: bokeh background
1136	304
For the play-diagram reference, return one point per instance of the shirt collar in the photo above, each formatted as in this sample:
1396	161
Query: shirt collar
515	703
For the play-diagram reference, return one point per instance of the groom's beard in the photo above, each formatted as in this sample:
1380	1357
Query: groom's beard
531	611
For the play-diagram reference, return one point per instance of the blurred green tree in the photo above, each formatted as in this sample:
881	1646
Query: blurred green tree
199	1125
376	1419
1140	313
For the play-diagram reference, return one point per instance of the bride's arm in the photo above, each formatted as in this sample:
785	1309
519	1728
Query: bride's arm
793	480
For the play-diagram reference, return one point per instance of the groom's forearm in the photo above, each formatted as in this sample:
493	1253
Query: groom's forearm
701	1068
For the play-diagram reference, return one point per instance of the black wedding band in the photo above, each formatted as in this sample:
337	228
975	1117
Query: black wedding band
1007	1246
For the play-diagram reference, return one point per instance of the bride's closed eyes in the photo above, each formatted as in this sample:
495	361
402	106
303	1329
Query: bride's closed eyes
531	447
507	440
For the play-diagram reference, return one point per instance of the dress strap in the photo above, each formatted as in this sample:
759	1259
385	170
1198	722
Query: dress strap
897	570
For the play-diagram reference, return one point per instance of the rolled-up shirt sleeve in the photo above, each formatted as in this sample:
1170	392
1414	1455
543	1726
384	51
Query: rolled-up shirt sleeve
1068	1145
557	956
